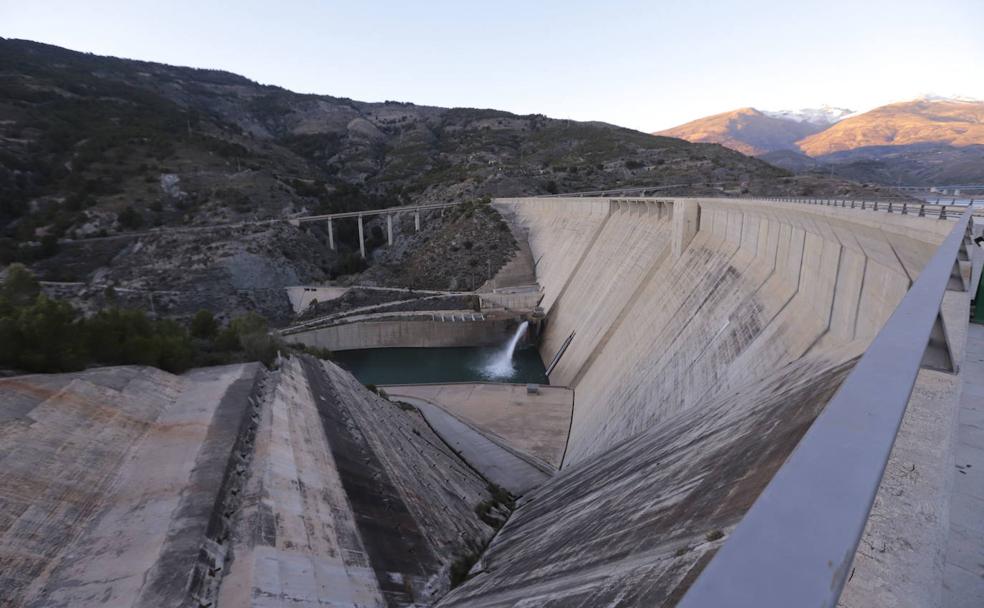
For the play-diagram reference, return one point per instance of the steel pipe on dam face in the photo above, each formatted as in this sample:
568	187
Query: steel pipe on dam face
709	334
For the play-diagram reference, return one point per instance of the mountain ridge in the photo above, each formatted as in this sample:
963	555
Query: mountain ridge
746	130
915	142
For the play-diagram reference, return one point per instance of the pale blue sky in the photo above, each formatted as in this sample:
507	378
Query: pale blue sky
645	65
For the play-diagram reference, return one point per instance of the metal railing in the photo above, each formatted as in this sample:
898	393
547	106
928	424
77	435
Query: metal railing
902	207
795	546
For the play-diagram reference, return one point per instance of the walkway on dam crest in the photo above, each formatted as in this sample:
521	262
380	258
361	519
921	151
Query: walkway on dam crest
963	573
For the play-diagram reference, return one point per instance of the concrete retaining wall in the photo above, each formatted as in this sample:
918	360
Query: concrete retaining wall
396	333
513	299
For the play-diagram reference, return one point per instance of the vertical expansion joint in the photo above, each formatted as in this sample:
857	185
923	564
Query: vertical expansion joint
362	239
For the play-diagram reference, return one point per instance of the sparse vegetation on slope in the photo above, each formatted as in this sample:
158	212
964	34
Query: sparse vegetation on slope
96	146
40	334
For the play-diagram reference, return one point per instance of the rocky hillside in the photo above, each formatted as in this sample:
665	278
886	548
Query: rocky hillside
95	151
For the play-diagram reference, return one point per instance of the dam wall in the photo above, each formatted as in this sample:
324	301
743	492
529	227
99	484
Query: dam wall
661	327
635	525
696	387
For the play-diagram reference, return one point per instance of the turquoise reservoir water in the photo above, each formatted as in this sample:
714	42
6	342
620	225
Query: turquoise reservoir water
415	365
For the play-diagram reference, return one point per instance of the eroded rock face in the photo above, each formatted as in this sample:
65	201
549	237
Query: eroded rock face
170	185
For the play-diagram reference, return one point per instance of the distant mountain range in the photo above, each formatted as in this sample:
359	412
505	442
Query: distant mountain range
925	141
746	130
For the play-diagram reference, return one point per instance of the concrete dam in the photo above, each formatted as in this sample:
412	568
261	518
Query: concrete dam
752	403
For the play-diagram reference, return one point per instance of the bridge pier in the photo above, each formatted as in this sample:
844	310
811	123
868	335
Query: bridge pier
389	230
362	239
331	236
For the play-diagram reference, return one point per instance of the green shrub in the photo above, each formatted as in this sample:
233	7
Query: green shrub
41	337
20	287
204	325
38	334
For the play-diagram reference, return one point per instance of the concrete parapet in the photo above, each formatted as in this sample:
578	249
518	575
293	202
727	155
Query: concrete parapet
420	332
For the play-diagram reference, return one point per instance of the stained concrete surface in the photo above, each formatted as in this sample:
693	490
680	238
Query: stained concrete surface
107	483
493	460
536	424
634	526
226	486
758	285
353	502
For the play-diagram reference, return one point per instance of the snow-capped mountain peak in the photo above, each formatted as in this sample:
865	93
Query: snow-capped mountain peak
952	98
823	116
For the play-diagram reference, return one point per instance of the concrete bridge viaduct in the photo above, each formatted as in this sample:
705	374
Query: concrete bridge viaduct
389	212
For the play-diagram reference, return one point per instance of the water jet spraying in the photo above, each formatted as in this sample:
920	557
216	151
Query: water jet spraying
501	364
